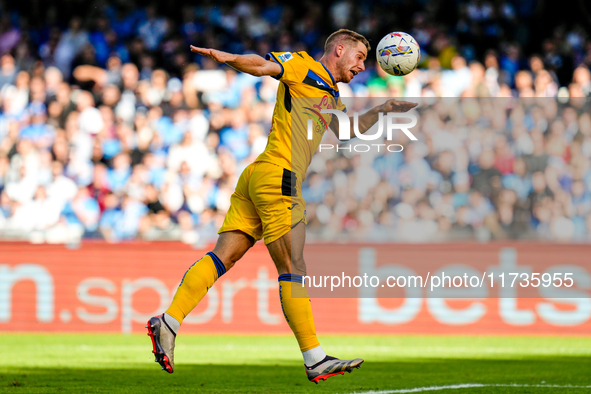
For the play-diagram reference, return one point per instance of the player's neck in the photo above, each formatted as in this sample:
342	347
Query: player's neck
330	65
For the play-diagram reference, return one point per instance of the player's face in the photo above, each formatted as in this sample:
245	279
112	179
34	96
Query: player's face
351	62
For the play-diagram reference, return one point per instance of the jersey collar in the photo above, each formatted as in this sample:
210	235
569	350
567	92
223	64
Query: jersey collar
329	74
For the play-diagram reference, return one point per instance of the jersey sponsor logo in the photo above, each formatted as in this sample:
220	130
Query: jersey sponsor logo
284	57
323	103
321	125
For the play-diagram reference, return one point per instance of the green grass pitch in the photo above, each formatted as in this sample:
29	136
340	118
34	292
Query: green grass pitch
93	363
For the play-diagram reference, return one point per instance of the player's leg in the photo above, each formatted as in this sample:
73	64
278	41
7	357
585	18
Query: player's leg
201	276
241	229
287	253
198	279
276	194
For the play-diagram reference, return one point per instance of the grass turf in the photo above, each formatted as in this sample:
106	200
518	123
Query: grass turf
91	363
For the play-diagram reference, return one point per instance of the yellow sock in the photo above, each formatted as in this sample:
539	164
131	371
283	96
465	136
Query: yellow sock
297	310
197	280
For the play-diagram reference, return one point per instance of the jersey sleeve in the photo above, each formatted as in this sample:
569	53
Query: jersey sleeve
292	67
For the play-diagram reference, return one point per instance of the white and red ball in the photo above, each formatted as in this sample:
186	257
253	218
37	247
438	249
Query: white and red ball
398	53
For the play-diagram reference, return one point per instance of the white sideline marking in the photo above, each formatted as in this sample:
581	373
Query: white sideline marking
468	385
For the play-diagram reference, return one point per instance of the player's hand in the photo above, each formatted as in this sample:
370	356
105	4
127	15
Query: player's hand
394	105
218	56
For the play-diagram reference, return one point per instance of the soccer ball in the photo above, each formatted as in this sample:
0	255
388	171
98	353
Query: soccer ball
398	53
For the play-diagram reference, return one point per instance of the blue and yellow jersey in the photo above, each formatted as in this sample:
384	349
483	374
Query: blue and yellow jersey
306	86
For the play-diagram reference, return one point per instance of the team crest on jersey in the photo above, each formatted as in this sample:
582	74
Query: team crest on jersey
284	57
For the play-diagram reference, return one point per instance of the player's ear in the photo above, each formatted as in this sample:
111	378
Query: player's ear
340	50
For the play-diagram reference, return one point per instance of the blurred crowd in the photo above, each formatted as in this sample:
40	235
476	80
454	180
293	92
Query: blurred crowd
482	168
111	128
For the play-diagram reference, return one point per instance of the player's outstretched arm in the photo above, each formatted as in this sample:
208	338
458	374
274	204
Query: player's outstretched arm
251	64
369	118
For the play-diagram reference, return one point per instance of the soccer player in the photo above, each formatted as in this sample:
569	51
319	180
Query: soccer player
267	203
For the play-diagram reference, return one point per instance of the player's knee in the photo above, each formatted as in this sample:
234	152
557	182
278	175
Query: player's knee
298	266
228	259
229	263
291	266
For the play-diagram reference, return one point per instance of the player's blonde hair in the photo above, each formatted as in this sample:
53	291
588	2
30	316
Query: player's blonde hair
344	35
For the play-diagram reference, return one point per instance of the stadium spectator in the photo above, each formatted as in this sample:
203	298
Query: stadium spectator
518	180
7	70
70	44
487	177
